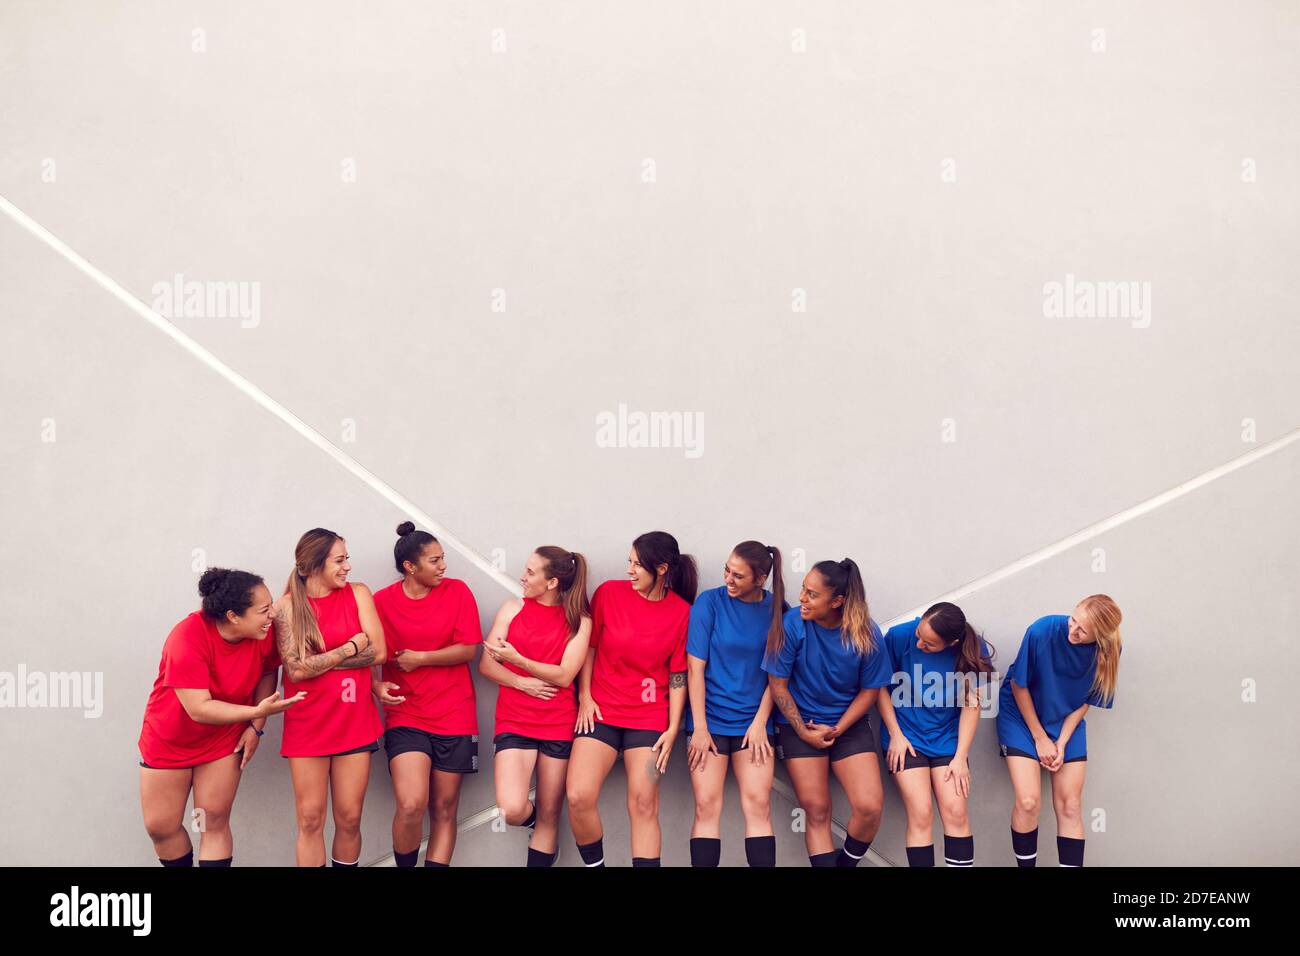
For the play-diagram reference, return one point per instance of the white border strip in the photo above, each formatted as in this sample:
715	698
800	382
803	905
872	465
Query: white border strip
385	490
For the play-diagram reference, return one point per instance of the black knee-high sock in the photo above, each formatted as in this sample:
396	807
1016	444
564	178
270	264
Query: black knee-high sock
442	866
1025	847
351	866
532	816
824	859
226	862
186	860
852	851
538	858
959	850
705	851
406	859
760	851
645	861
593	854
920	855
1069	851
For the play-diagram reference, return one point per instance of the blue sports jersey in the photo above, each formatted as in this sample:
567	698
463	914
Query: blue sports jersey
920	701
1059	676
731	636
825	674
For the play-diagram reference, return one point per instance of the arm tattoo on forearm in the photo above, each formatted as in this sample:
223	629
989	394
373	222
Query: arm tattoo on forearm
364	659
676	679
786	705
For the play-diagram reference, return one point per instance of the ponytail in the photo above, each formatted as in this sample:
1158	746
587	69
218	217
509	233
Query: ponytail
845	580
659	547
308	557
765	560
570	568
949	622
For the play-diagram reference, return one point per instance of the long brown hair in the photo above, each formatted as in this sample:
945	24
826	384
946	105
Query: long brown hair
659	547
1105	616
308	557
844	579
765	559
570	567
949	622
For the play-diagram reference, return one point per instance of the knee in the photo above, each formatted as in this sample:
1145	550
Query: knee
514	811
921	818
708	807
347	819
1069	807
443	809
755	806
547	813
581	800
162	828
867	814
644	805
818	814
1028	803
410	808
214	821
311	819
957	819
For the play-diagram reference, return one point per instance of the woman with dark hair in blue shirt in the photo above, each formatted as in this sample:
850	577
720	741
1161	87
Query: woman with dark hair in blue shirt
1064	666
730	704
825	670
928	723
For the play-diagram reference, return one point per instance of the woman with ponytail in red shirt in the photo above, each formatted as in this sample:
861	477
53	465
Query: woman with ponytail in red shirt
632	691
536	648
329	635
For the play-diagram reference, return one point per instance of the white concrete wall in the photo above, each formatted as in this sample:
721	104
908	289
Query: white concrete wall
1169	158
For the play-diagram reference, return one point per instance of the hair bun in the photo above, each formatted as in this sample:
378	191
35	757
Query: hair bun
405	528
211	580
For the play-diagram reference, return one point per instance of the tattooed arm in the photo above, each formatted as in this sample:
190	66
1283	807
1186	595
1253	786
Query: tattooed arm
374	652
676	700
297	668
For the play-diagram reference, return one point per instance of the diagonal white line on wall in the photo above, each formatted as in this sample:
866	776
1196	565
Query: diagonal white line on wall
385	490
412	510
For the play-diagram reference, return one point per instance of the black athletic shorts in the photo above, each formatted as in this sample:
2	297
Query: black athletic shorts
622	738
858	739
920	760
727	744
559	749
1005	751
451	753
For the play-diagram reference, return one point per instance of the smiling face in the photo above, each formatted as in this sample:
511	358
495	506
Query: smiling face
643	579
334	572
926	638
1082	628
430	568
255	622
534	579
817	602
739	578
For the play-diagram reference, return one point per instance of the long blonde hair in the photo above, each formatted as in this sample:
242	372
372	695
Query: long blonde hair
1105	616
308	557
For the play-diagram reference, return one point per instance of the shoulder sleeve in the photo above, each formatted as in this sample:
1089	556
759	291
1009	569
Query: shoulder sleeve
782	664
185	658
270	652
700	632
598	599
1022	668
469	626
677	660
875	669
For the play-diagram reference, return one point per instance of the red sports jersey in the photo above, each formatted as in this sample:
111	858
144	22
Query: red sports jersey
638	643
541	634
338	714
439	697
196	656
